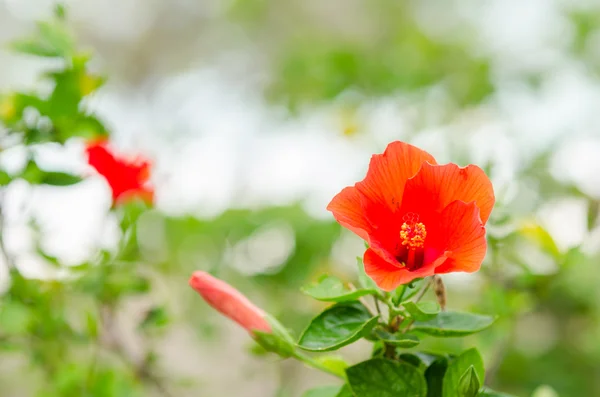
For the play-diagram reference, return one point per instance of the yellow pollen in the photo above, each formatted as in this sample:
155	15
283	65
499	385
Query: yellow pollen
413	235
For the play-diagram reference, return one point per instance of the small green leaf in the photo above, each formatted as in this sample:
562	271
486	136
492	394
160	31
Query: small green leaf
469	385
398	339
434	375
4	178
365	281
337	326
345	392
487	392
407	291
278	341
335	363
422	311
274	343
59	179
324	391
385	378
156	317
457	369
450	324
332	289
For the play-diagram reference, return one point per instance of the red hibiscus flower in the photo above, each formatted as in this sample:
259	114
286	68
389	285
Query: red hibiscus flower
127	177
419	218
229	302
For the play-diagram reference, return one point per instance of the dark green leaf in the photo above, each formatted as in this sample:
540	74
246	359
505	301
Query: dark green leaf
59	179
449	324
469	385
458	367
156	317
324	391
385	378
434	375
422	311
398	339
333	289
345	392
337	326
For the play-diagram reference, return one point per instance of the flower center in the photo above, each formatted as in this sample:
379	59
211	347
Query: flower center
413	235
410	251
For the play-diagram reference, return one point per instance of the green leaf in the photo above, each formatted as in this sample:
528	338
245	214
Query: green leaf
337	326
450	324
15	318
365	281
407	291
457	369
332	289
434	375
469	385
274	343
487	392
422	311
385	378
4	178
345	392
398	339
335	363
324	391
52	39
540	236
156	317
59	179
278	341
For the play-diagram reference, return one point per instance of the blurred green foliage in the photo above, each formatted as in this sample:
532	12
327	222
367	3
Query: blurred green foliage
62	334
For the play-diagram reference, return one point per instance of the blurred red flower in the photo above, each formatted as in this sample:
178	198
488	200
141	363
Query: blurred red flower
418	217
127	177
229	302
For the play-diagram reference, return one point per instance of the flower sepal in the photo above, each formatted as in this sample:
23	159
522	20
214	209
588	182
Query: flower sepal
278	341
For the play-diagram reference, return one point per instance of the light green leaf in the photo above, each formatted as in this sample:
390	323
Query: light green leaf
422	311
324	391
399	339
273	343
332	289
434	375
4	178
487	392
450	324
278	341
335	363
456	370
469	385
385	378
337	326
541	391
365	281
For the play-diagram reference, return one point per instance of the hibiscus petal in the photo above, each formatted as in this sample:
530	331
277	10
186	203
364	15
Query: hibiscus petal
347	210
387	276
383	186
436	186
461	235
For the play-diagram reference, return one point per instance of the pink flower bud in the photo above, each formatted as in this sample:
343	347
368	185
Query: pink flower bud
229	302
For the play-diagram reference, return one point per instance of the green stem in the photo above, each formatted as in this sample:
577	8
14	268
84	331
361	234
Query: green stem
315	364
